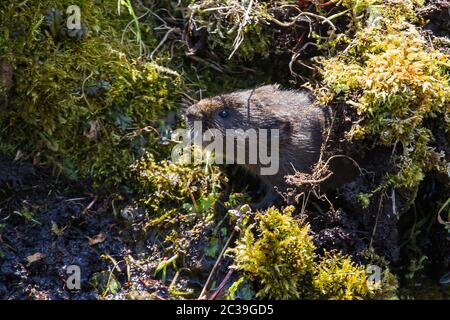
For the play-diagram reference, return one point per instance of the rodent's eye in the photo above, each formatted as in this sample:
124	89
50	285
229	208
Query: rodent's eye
223	114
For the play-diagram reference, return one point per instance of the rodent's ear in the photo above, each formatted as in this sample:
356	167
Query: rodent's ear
285	129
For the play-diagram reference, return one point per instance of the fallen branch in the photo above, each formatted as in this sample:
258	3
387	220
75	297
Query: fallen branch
221	285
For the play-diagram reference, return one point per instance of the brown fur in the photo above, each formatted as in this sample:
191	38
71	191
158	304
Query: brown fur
301	124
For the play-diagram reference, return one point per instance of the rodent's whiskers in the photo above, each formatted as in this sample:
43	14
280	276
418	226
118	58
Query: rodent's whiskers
218	126
212	134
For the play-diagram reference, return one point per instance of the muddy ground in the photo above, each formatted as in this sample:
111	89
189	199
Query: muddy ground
67	227
70	226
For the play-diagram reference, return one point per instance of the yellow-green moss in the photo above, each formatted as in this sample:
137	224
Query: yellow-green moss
278	255
395	81
170	190
178	202
337	277
79	103
368	11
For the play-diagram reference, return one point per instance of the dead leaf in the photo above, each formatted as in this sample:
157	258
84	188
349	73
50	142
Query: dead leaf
18	156
57	231
97	239
35	257
93	131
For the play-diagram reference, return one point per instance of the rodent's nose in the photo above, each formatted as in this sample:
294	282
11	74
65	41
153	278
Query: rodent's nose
191	115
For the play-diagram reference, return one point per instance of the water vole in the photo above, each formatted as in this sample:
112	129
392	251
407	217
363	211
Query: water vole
300	123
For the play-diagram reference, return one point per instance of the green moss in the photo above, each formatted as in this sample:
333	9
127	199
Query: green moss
178	202
278	255
369	11
399	82
168	188
80	102
337	277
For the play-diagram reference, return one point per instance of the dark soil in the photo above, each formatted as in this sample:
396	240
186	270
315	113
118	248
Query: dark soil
71	226
436	13
24	186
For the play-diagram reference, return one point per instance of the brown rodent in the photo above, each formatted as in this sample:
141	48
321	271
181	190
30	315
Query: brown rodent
301	126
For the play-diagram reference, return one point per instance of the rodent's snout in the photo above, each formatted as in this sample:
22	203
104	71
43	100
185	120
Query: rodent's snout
193	115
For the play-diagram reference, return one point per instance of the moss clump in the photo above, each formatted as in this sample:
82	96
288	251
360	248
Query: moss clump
84	103
169	190
177	202
279	256
395	82
338	277
394	10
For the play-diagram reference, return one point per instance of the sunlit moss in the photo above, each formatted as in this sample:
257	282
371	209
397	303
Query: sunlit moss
337	277
80	103
168	188
178	202
278	255
399	82
371	10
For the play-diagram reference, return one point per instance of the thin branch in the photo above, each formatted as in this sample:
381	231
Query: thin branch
205	287
297	17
